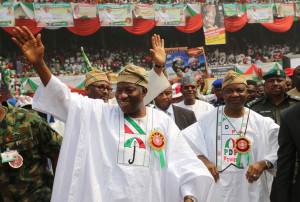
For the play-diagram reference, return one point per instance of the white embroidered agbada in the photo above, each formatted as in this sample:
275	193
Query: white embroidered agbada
233	185
92	164
199	108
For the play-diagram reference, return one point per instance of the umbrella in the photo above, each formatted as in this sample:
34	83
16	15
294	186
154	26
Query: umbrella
135	142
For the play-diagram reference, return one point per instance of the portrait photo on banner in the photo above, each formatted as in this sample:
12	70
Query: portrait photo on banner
190	62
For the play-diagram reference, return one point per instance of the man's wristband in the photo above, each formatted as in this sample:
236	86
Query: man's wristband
160	66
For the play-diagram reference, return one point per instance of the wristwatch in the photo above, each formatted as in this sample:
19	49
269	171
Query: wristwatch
190	197
159	66
269	165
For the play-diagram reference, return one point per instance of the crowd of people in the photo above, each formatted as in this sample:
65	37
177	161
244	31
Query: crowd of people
151	141
67	63
113	1
113	60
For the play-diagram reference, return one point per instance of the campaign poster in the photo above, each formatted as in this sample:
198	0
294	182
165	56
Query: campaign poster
284	9
190	62
115	15
213	24
234	10
7	15
297	9
53	15
258	13
84	11
169	15
176	49
145	11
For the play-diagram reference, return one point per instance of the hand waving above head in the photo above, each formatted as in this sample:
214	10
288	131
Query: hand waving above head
31	47
33	50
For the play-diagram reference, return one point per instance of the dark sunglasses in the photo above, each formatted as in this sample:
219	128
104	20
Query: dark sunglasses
102	87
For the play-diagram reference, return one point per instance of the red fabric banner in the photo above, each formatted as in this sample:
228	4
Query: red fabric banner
280	25
140	26
192	24
76	90
85	27
30	24
233	24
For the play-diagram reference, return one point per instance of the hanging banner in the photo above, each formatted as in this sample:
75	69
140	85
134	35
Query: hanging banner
297	8
213	24
84	11
219	71
191	62
145	11
169	15
194	9
7	15
284	10
53	15
258	13
115	15
234	10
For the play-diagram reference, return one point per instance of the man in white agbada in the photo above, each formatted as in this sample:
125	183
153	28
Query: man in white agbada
238	146
189	91
117	153
97	86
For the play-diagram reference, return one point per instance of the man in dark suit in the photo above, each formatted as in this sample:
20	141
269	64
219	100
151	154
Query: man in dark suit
289	145
182	117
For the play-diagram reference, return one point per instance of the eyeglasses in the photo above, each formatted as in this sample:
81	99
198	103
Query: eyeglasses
102	87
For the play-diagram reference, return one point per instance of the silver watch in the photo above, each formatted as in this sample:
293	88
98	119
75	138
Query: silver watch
269	165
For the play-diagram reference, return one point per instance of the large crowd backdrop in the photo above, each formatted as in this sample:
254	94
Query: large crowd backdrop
64	63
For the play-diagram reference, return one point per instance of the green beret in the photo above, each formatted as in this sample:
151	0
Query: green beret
274	73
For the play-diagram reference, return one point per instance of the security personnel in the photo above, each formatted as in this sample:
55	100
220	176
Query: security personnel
218	91
275	100
26	141
273	103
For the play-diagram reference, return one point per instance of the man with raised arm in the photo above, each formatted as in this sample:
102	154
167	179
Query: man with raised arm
127	152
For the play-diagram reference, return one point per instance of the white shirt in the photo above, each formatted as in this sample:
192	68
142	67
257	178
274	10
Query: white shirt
170	111
233	185
89	167
199	108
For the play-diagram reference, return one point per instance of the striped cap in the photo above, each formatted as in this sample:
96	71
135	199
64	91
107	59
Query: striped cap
95	75
133	74
233	77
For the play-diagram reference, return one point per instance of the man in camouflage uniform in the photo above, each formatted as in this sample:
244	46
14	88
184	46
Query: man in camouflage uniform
275	100
27	178
273	103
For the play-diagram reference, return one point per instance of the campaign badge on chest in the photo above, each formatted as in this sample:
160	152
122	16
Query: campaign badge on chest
17	163
242	145
157	142
14	159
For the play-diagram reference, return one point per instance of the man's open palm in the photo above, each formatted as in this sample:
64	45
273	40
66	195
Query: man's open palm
158	50
32	47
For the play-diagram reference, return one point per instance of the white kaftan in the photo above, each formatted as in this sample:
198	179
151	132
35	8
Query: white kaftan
233	185
199	108
92	164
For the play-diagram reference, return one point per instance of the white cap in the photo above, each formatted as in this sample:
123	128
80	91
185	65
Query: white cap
176	90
